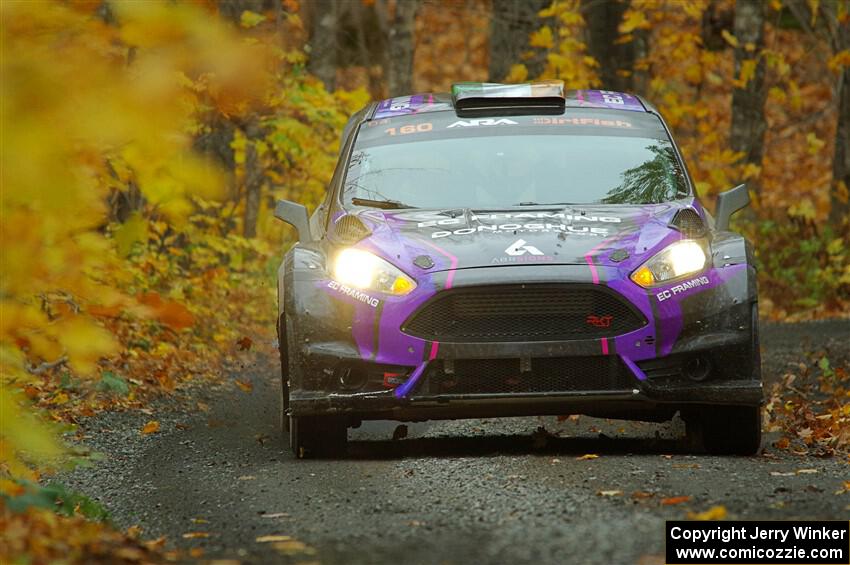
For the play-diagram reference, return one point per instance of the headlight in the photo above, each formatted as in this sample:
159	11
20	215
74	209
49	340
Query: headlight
361	269
676	260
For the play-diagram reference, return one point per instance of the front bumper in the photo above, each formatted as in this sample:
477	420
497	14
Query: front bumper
337	335
645	403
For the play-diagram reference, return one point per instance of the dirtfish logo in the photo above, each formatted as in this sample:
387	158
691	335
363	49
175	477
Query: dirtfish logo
483	122
520	247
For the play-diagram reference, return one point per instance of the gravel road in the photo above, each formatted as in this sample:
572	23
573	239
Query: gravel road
475	491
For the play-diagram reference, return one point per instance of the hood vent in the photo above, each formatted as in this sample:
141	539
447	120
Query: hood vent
689	222
349	230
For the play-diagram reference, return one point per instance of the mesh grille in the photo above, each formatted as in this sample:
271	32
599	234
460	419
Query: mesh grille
350	229
689	222
524	313
550	374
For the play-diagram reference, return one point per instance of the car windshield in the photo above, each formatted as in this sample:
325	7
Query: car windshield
486	172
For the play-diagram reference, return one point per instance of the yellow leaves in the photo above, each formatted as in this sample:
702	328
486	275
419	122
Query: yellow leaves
131	232
838	61
23	438
85	342
717	512
518	73
729	38
195	535
632	20
813	143
748	71
542	38
803	209
151	427
250	19
244	386
587	456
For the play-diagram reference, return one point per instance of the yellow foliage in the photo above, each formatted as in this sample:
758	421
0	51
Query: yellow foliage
88	109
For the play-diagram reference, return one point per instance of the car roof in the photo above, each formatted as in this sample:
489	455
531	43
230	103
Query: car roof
445	102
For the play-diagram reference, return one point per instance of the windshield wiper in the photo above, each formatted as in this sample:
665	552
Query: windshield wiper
383	204
544	204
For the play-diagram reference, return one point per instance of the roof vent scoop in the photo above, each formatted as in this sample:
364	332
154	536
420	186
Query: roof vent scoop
476	99
689	222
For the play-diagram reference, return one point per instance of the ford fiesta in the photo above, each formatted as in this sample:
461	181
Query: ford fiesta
515	250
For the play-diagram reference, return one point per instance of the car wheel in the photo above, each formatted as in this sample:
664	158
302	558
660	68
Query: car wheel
318	436
283	348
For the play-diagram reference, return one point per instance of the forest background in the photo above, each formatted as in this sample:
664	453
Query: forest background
144	145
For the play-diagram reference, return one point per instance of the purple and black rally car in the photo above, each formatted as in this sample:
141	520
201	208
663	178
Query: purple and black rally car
516	250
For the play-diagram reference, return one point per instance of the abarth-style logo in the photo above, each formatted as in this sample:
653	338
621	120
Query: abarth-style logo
519	247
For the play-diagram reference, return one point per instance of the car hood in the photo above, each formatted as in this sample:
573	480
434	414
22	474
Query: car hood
436	240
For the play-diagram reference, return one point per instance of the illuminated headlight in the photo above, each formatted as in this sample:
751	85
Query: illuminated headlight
364	270
676	260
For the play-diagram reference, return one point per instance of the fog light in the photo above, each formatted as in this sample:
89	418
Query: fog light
697	369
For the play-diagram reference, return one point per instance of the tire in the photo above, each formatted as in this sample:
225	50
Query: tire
318	436
727	430
731	430
283	348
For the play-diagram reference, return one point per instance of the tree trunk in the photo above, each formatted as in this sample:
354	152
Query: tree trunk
511	24
323	16
253	190
398	26
840	205
616	61
748	122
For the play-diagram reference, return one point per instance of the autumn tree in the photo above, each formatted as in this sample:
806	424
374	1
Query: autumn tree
749	94
396	21
616	58
324	20
511	25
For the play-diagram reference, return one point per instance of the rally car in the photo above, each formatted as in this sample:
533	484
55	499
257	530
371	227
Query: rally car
516	250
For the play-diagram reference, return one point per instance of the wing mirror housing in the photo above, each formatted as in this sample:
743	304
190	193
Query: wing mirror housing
295	215
728	203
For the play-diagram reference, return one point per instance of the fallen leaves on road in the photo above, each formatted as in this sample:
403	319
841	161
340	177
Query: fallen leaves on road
272	538
196	535
244	386
641	495
793	473
151	427
246	478
810	406
672	500
717	512
587	456
275	515
610	493
244	343
35	531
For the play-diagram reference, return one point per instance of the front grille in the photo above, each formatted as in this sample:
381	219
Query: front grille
542	375
533	312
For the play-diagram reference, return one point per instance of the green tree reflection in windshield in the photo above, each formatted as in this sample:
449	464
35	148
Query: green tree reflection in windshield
656	180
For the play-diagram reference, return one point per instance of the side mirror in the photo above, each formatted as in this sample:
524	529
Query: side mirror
728	203
295	215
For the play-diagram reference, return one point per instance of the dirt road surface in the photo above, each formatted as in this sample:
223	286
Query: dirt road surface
475	491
